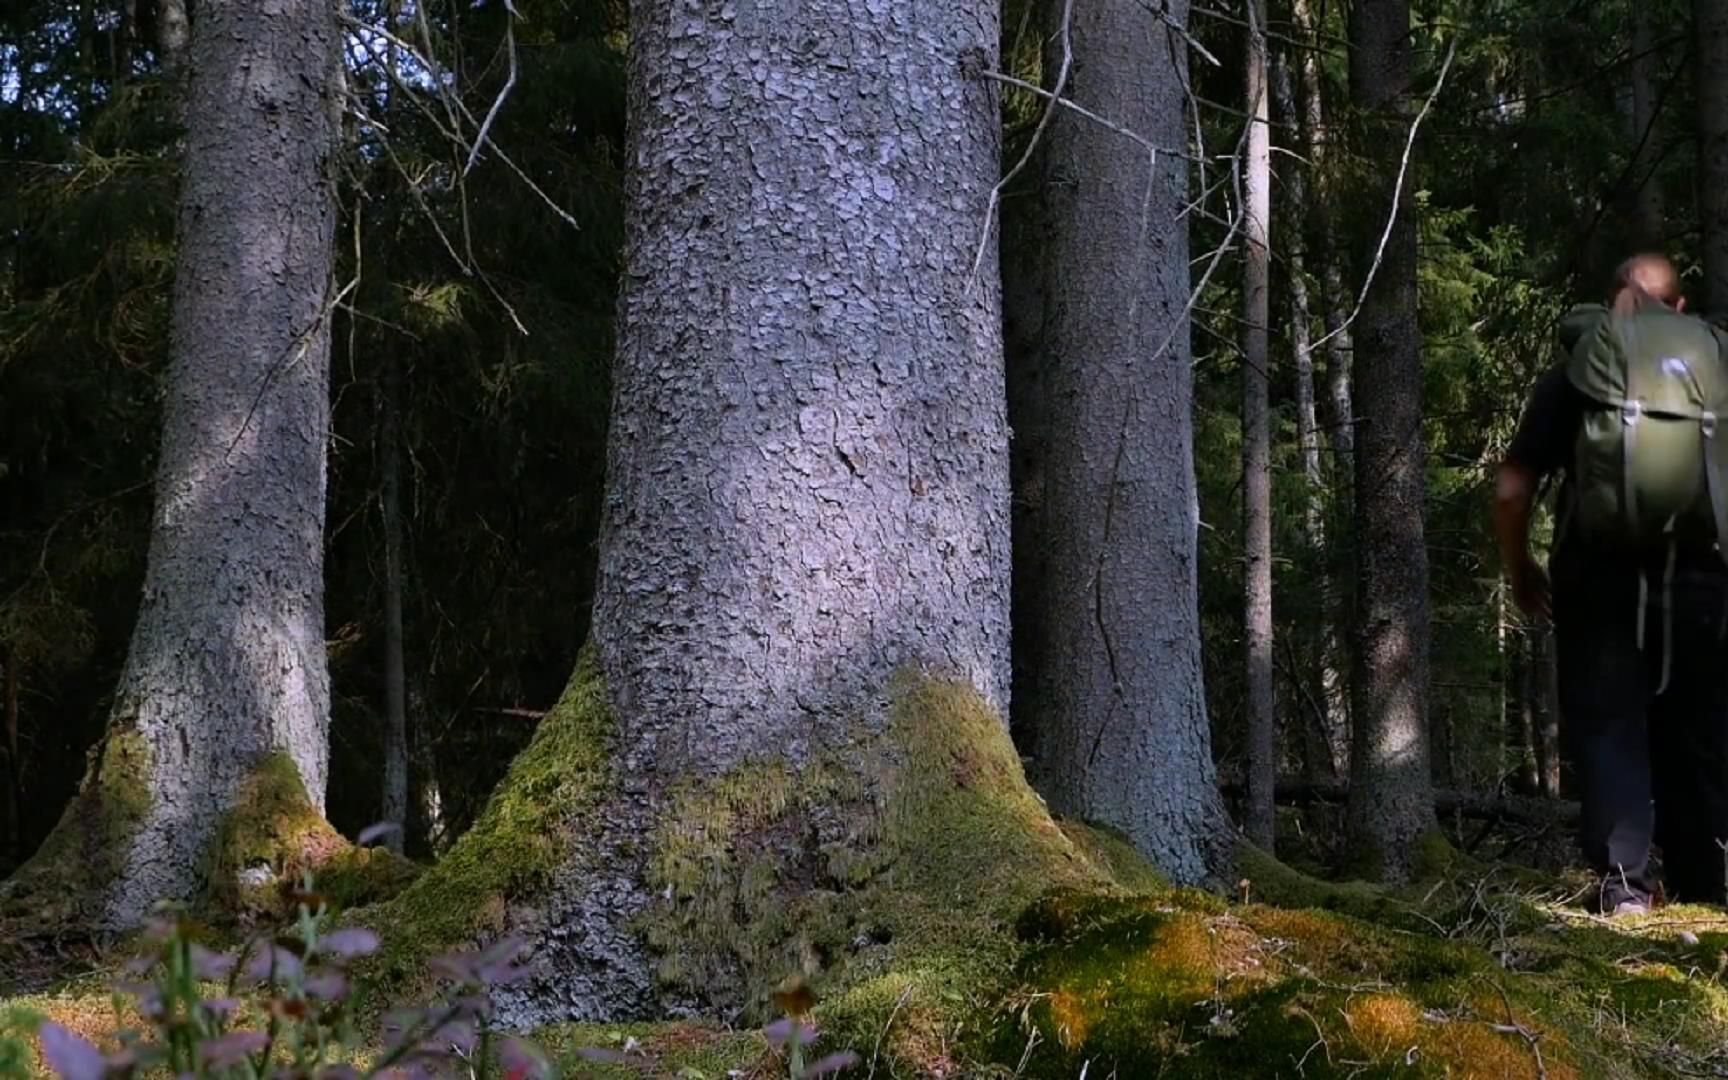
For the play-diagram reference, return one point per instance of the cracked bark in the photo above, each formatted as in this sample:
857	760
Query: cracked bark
1110	694
807	467
1391	793
227	659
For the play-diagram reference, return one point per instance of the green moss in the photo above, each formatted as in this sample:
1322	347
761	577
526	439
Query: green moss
62	884
889	878
1108	848
511	851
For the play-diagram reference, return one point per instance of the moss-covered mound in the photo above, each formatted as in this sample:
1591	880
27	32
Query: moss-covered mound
510	854
61	885
274	837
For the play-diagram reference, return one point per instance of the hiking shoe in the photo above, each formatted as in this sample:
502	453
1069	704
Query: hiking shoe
1630	906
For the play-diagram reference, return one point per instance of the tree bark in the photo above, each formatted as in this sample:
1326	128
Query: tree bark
1391	802
1114	687
1710	68
1308	217
1257	442
394	804
808	451
1647	218
227	659
14	760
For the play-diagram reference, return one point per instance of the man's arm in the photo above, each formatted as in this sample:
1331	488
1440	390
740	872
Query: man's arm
1514	498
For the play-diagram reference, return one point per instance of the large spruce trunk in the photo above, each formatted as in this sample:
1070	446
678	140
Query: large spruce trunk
227	660
807	485
1710	72
1391	796
1108	640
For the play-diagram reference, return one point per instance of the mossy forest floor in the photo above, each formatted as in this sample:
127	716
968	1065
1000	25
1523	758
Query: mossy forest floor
946	926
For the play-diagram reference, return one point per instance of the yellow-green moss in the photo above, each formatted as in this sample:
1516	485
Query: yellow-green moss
517	843
274	826
890	876
63	883
675	1049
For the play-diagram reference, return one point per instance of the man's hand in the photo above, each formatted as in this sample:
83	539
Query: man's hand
1530	589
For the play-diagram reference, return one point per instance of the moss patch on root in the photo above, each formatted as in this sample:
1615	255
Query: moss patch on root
510	853
274	828
887	877
61	885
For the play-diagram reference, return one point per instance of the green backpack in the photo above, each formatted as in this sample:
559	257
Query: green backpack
1650	467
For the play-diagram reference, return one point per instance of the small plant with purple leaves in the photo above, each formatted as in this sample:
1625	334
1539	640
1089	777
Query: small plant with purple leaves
284	1011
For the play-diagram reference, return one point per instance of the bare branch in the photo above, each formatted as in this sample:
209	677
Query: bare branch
1397	197
1032	144
509	83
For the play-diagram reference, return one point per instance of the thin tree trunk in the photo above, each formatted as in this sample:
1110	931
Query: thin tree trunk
1544	710
808	478
394	806
1329	681
1391	791
1257	443
173	33
227	660
1648	229
1334	297
14	761
1710	66
1116	695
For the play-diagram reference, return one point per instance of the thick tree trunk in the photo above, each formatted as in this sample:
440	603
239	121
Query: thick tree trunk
394	804
1111	636
1391	801
1257	442
808	451
1647	223
227	659
1710	67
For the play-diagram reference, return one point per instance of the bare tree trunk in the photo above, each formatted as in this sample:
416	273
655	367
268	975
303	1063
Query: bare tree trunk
173	33
1542	694
1710	67
808	478
14	761
1115	692
394	805
227	661
1257	444
1391	792
1333	687
1648	230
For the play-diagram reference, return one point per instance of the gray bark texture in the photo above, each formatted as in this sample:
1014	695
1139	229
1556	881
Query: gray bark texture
1108	641
1257	440
1391	795
1332	691
808	477
227	659
1710	76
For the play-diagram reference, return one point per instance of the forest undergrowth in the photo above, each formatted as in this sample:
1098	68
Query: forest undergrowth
1483	967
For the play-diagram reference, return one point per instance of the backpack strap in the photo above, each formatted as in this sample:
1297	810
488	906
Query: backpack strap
1631	409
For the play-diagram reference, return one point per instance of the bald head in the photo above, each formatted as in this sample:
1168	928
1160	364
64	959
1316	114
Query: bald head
1647	276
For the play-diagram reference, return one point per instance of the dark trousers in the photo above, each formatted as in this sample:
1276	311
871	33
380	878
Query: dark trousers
1650	764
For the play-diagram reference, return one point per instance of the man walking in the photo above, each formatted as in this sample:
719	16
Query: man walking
1639	595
